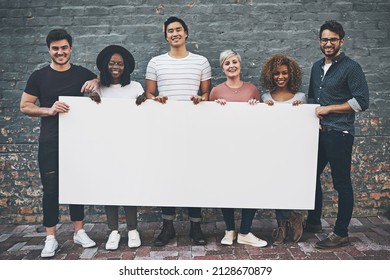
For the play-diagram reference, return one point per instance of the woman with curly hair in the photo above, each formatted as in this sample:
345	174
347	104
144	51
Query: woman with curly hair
281	76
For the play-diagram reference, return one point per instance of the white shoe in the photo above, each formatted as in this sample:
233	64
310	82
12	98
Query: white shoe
82	239
230	236
51	245
134	240
250	239
113	240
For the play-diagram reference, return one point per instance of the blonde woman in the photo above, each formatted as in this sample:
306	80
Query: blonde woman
236	90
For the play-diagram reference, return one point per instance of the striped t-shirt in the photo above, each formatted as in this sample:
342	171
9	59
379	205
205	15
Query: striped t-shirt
178	79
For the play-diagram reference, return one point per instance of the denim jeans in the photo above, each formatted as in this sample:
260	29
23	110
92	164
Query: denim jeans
48	168
335	147
282	214
194	213
246	219
113	219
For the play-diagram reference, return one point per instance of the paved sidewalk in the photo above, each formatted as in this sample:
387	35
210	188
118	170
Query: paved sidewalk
369	236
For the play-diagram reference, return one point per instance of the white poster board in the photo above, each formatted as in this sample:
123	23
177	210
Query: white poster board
179	154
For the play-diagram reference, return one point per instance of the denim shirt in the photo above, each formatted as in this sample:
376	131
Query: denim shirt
343	82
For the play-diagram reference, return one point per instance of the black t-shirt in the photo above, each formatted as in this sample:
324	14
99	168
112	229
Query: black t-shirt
48	84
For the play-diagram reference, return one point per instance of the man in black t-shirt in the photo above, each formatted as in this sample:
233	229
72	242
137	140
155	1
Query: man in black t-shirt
60	78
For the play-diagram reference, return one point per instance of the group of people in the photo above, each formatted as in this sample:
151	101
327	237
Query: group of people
337	84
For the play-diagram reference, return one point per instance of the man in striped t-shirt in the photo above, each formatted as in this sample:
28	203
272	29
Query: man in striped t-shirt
178	75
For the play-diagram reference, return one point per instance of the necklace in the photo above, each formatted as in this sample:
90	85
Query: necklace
235	90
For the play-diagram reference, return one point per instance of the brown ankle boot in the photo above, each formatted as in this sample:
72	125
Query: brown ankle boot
295	221
167	233
280	233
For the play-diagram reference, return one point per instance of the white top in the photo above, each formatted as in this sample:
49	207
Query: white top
178	78
131	90
298	96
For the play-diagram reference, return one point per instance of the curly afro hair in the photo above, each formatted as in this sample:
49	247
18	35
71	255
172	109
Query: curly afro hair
272	64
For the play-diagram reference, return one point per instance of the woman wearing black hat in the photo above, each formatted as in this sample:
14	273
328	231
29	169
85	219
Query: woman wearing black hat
115	64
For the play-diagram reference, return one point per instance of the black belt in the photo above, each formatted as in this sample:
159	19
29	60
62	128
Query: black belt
327	129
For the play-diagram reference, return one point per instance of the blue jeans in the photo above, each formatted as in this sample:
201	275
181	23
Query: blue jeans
246	219
335	147
48	168
194	213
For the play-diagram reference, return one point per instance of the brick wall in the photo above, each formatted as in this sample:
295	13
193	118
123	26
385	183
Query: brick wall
254	28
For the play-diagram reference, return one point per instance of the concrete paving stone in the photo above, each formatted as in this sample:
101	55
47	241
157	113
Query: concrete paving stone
19	229
368	241
384	220
198	251
297	254
163	254
375	220
184	255
88	253
143	251
143	258
17	246
326	224
32	255
128	255
240	255
72	256
381	231
355	223
208	258
343	256
5	236
35	234
365	221
32	247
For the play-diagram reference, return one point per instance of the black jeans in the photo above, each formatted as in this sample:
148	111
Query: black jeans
194	213
48	168
247	216
335	147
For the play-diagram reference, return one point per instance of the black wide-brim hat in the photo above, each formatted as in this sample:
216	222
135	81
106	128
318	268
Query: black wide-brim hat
109	51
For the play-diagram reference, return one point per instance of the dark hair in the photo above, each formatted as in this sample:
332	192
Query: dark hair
58	35
174	19
105	76
333	26
270	66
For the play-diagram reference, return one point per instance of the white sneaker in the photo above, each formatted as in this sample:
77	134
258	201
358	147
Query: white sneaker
230	236
113	240
250	239
82	239
51	245
134	240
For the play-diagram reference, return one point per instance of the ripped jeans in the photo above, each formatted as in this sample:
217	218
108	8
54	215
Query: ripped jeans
48	168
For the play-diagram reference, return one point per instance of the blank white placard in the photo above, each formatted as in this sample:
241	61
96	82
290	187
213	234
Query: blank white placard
179	154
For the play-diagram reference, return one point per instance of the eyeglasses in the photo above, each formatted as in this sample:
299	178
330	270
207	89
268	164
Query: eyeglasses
113	63
333	41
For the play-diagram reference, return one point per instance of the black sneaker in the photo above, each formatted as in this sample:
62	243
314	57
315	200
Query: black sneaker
332	241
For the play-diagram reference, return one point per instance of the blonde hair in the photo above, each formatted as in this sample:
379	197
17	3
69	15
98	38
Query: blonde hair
228	54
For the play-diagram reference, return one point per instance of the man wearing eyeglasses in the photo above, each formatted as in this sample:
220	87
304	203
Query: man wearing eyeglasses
338	85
